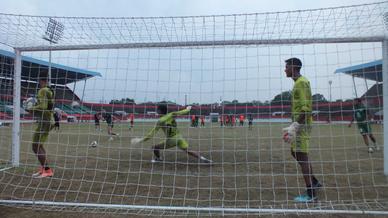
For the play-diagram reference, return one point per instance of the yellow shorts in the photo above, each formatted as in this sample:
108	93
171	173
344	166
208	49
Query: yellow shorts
302	141
41	132
175	141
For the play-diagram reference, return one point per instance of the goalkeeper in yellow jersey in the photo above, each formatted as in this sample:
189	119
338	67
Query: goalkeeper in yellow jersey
298	133
169	127
43	113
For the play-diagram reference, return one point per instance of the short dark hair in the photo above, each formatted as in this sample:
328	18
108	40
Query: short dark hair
43	75
162	108
295	62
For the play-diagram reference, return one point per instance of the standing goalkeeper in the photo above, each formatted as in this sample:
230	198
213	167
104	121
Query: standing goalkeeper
173	138
43	113
298	134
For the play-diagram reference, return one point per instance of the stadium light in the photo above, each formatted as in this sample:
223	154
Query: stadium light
53	34
330	100
330	82
54	31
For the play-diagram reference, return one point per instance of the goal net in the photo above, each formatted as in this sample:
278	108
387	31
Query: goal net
109	75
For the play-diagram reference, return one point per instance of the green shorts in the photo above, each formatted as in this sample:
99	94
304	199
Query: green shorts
302	142
364	128
110	124
41	132
175	141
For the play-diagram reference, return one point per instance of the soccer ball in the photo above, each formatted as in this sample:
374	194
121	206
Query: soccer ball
29	103
93	144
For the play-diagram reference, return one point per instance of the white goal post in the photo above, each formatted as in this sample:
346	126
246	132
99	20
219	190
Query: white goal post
385	93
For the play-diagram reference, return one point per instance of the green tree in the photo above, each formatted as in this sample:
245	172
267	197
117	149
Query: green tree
283	98
319	98
122	101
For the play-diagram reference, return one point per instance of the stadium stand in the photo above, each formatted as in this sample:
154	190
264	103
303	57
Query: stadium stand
61	76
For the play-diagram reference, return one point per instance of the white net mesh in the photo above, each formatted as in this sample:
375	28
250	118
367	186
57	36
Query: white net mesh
225	67
344	22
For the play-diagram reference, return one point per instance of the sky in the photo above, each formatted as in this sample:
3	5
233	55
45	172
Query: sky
153	77
155	8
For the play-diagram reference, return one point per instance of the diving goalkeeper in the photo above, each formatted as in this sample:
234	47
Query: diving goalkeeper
173	138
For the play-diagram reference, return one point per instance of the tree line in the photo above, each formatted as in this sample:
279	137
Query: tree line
283	98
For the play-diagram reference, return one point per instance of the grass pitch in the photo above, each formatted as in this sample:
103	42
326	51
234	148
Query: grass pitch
251	169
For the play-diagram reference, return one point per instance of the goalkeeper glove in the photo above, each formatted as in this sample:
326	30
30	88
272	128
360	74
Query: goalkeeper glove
135	141
188	108
29	103
290	132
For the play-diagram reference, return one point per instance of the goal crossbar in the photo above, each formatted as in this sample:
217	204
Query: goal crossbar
203	43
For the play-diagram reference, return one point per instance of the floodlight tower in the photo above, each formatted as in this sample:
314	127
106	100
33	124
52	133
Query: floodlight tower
330	82
53	34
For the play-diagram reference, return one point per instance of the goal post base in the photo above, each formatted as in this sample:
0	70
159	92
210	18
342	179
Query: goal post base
189	209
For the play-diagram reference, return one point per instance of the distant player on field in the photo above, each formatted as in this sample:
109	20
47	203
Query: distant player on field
57	118
97	117
108	119
131	120
298	134
192	120
250	121
241	119
361	116
202	120
169	127
233	118
43	113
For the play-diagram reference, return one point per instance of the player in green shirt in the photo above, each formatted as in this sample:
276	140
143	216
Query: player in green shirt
361	116
43	113
169	127
298	134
